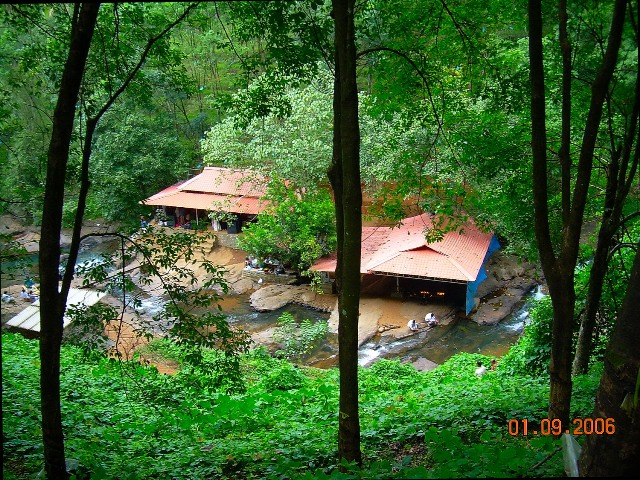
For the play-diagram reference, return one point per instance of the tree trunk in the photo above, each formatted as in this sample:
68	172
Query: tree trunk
559	267
52	304
345	178
594	294
563	301
617	399
621	170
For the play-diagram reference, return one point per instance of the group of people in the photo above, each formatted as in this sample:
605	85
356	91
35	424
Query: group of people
430	320
28	293
482	370
183	219
268	265
7	297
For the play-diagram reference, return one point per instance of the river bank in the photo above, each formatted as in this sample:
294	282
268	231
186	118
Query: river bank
382	317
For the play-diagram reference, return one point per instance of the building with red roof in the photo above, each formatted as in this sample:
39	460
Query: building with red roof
451	267
232	191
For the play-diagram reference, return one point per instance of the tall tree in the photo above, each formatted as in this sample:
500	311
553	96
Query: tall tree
558	264
344	175
620	173
53	297
52	304
617	399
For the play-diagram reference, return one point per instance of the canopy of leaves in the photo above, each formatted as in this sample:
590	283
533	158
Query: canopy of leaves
296	229
136	155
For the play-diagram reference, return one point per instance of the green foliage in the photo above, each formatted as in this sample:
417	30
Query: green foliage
614	285
131	161
14	257
298	339
162	348
532	352
375	378
278	125
127	418
289	36
285	376
453	141
144	144
297	228
212	370
190	316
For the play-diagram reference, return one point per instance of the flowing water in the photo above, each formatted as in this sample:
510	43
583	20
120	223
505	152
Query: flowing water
436	344
461	335
17	271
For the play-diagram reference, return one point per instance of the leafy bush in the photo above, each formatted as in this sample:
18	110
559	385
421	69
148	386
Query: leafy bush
376	377
164	349
296	229
298	339
213	370
532	353
125	419
285	377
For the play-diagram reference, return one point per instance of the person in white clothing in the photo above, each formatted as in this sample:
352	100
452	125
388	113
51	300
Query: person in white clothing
481	370
430	319
24	295
413	325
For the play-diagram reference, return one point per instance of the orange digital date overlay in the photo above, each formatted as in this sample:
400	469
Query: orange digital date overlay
579	426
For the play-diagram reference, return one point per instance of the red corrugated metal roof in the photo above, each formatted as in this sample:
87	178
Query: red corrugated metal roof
326	264
236	191
422	263
403	250
227	181
205	201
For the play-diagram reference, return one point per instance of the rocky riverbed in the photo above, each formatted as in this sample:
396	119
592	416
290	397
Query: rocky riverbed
508	281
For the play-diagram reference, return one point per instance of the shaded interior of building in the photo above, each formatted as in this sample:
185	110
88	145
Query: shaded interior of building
418	289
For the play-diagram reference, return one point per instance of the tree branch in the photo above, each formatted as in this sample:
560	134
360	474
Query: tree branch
91	124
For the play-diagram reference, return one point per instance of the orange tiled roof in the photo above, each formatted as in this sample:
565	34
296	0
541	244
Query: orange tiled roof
404	251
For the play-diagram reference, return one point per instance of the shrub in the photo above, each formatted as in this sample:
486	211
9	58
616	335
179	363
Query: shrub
298	339
532	353
285	376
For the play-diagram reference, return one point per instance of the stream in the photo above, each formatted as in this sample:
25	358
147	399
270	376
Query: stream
461	335
437	344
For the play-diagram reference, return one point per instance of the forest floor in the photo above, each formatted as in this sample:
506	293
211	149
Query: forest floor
508	281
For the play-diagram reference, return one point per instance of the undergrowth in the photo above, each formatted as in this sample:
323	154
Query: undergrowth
127	421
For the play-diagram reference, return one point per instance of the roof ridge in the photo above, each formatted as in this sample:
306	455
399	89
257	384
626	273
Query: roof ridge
459	267
370	267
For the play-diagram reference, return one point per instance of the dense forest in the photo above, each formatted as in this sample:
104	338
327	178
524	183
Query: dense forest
522	116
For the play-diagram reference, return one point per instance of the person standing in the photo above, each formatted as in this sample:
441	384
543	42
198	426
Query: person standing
180	215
